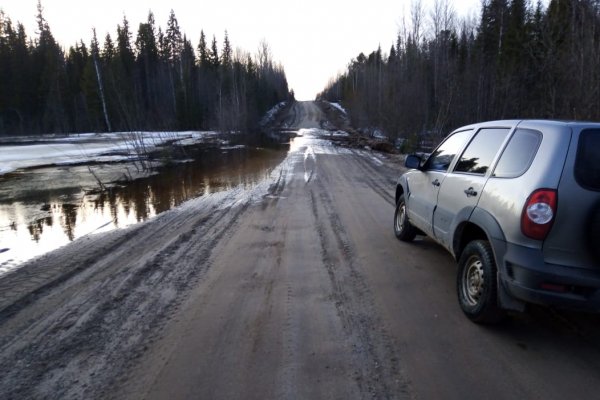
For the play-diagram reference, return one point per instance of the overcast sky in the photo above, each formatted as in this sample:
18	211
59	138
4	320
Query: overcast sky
313	39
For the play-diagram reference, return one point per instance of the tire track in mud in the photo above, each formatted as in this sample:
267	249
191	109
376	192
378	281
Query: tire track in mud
56	359
378	372
34	282
99	267
370	171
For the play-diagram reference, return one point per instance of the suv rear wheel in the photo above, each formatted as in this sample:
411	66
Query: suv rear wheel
402	227
477	283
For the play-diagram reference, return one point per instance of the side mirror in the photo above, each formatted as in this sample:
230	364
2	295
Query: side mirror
413	162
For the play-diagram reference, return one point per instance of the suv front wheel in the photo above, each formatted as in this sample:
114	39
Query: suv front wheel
402	227
477	283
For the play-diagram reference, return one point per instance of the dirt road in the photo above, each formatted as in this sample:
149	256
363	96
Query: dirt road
296	289
304	115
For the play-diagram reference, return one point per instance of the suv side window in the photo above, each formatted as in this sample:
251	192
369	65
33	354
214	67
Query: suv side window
442	157
479	154
519	153
587	167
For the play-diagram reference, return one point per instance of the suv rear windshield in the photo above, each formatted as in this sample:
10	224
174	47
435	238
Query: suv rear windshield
587	167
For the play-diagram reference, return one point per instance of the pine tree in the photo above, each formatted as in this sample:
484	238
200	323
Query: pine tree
226	52
214	54
187	103
147	66
4	71
17	84
163	47
124	50
49	64
174	41
108	50
204	57
122	87
145	43
76	105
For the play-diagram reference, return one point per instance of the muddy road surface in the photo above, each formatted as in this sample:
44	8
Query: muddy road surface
304	115
295	289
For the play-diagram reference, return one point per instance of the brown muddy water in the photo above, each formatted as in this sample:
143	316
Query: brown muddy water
45	208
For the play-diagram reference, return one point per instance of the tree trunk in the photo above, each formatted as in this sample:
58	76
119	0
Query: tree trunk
101	90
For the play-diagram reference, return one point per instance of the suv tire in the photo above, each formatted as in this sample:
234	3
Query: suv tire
477	283
402	227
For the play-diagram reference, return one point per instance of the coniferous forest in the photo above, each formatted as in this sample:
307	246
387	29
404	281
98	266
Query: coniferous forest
518	59
153	80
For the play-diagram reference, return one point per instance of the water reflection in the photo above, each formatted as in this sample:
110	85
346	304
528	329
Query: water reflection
33	227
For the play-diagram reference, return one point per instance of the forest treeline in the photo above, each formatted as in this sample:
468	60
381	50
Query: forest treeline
156	80
517	60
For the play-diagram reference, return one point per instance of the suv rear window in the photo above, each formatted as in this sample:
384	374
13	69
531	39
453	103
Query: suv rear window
519	154
587	167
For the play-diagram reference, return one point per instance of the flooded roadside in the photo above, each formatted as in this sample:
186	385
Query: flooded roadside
45	208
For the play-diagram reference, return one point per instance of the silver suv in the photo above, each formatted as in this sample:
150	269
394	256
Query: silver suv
517	203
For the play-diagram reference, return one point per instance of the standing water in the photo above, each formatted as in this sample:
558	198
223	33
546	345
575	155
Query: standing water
42	209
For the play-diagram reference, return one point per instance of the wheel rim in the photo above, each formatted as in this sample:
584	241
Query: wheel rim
400	218
473	281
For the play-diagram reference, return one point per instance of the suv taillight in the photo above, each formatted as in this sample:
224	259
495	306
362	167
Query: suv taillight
538	213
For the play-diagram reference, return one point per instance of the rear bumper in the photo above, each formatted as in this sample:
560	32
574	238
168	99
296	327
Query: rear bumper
527	277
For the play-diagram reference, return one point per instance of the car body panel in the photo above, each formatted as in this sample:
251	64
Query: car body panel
422	197
454	205
505	198
422	186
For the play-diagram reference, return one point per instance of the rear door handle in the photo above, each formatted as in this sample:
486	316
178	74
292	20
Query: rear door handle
470	192
436	183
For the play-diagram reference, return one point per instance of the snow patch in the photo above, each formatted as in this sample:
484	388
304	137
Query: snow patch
340	134
339	107
239	146
379	134
36	151
376	160
270	115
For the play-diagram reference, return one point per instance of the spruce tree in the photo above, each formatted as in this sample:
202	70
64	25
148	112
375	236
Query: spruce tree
50	76
108	50
174	41
203	56
214	54
226	53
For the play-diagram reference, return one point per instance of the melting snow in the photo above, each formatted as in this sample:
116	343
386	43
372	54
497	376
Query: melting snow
339	107
270	115
27	152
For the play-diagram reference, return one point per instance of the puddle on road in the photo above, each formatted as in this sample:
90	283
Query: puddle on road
319	142
35	220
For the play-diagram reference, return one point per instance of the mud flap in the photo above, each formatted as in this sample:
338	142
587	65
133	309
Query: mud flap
506	301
